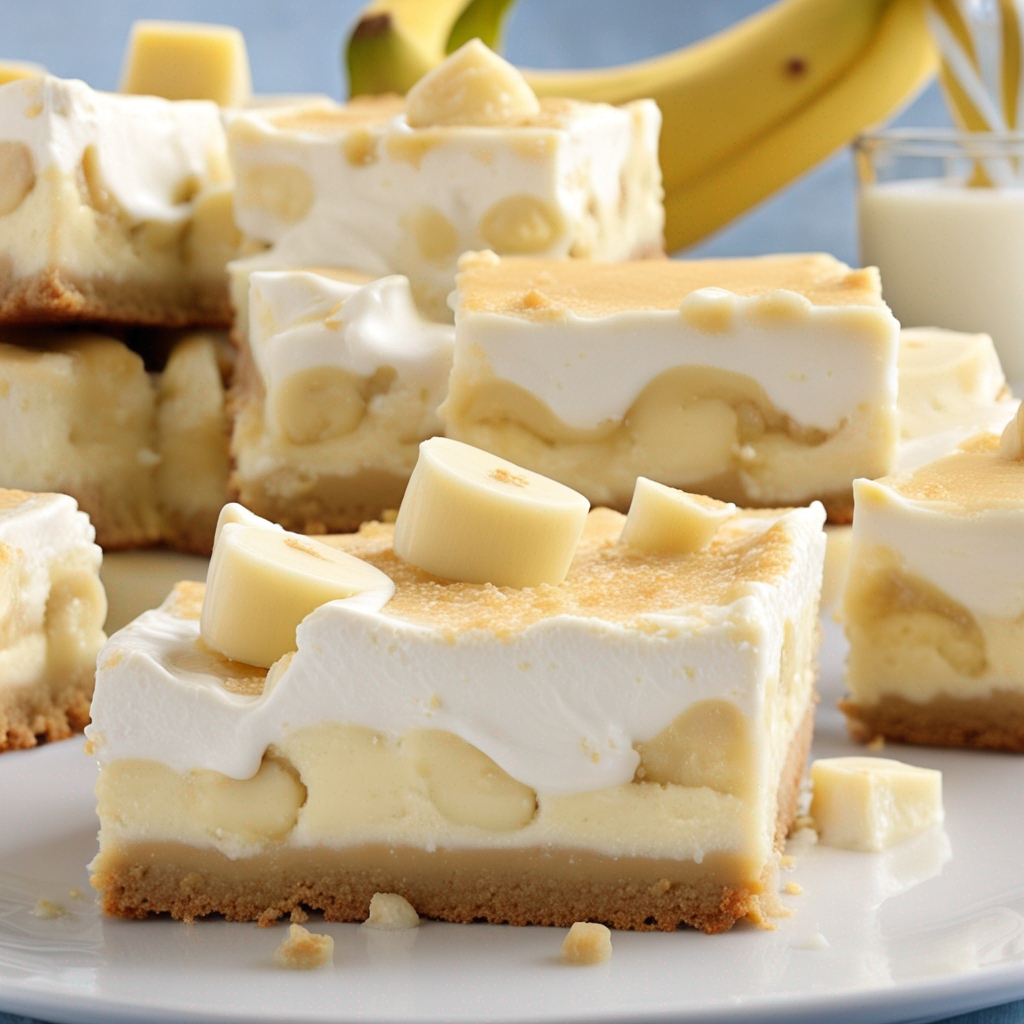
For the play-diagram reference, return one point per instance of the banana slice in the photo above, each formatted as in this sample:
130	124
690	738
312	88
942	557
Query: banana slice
232	512
666	521
264	581
470	516
473	86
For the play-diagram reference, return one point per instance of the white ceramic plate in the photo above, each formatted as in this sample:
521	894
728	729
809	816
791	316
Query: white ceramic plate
930	929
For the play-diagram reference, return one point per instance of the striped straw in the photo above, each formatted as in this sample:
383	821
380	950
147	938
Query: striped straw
981	47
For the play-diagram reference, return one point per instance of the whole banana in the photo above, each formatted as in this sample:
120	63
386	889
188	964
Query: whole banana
745	111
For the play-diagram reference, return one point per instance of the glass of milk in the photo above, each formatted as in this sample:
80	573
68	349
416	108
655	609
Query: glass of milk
941	215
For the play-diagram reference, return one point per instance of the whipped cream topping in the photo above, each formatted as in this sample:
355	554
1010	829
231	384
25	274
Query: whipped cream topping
43	528
153	155
817	367
299	320
558	705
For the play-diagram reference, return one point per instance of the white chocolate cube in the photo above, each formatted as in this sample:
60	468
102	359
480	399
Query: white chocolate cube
872	803
665	520
181	60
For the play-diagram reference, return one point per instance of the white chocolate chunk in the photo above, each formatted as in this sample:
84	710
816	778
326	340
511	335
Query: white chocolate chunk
232	512
468	515
1010	443
666	521
304	951
473	86
587	943
391	912
185	61
262	583
872	803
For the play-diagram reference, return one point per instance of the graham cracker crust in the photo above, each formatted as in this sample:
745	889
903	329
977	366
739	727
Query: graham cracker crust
53	297
123	517
333	504
995	722
191	533
537	886
30	715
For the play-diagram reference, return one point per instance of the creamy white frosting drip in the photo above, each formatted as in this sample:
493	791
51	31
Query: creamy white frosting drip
977	558
817	368
45	529
300	320
147	148
557	705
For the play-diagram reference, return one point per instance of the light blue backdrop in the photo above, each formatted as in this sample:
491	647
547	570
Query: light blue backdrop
294	47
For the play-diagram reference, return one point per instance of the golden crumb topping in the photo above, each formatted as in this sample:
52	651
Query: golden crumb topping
607	581
10	499
187	599
523	287
973	478
334	119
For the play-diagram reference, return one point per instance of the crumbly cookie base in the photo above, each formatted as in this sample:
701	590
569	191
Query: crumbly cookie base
995	722
191	533
540	886
122	510
33	714
53	297
332	504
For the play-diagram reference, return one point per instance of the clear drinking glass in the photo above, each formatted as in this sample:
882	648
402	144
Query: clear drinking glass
941	214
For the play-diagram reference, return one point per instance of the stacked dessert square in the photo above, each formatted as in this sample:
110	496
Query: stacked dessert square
115	221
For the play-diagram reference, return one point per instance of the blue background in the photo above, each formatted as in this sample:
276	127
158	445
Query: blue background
294	46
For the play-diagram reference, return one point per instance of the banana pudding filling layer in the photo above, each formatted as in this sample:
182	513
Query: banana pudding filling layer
614	729
934	604
780	373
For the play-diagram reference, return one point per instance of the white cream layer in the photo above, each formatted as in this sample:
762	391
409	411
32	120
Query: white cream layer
558	705
976	557
299	320
153	155
817	367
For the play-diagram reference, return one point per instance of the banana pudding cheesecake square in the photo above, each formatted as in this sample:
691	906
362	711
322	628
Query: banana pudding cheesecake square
51	623
338	380
767	381
501	708
470	159
934	601
112	208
